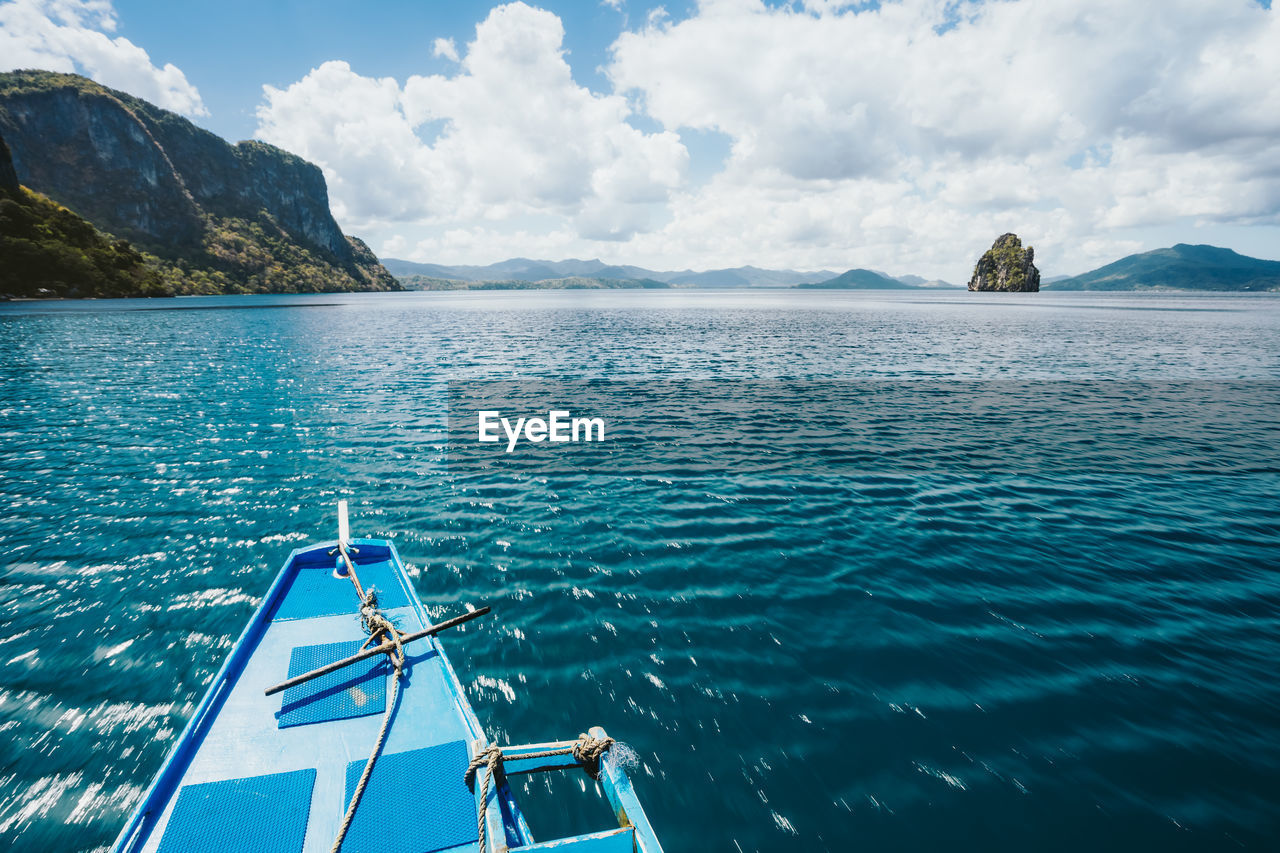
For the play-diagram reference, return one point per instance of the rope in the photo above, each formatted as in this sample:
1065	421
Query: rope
491	758
377	625
351	567
587	751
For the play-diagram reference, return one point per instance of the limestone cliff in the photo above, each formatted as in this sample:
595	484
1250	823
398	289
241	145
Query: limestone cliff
8	177
224	218
1006	267
48	251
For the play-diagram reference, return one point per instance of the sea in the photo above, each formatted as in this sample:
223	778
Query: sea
798	657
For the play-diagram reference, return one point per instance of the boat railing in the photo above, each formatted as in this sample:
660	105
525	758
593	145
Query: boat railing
634	833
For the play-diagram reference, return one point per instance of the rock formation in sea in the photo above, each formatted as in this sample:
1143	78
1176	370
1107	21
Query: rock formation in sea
1006	267
218	217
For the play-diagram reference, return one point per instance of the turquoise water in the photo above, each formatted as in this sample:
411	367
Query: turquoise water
815	660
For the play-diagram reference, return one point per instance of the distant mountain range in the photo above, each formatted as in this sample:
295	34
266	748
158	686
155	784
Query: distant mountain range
572	282
1180	267
415	275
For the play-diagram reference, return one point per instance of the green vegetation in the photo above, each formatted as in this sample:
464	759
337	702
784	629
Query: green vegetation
577	282
200	215
1180	267
48	251
242	256
1006	267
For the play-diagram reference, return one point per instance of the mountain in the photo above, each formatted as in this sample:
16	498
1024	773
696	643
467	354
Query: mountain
217	218
46	250
859	280
524	269
748	277
8	175
403	269
577	282
714	278
1180	267
921	281
514	269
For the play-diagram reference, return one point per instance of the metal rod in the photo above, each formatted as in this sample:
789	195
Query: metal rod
376	650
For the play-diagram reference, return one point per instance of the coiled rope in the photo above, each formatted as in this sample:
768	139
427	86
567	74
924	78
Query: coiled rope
378	626
587	751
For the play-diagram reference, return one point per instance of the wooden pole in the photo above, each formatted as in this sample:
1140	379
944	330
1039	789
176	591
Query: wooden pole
384	648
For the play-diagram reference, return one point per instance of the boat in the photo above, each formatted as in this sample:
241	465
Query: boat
337	723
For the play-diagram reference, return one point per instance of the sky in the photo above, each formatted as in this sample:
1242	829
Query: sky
902	135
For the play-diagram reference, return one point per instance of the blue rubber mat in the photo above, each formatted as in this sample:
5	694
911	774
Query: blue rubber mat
352	691
260	814
416	802
317	592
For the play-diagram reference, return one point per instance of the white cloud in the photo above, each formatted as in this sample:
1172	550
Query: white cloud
354	129
72	36
445	48
903	137
510	134
939	124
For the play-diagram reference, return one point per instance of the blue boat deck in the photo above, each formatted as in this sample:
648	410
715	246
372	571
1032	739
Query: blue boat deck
275	774
334	724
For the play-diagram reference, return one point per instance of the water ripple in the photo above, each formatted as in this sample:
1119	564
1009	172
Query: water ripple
914	662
